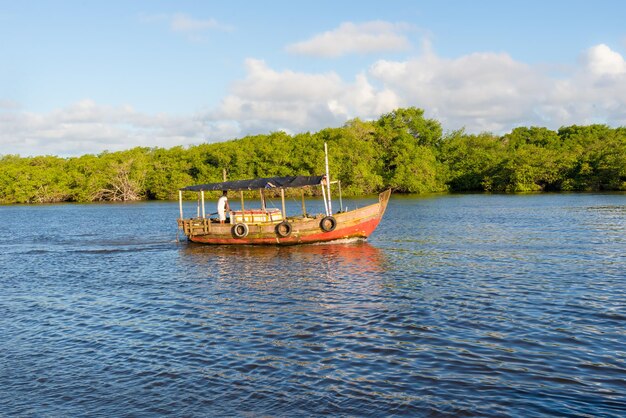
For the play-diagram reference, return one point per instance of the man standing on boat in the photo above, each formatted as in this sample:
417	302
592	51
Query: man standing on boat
223	206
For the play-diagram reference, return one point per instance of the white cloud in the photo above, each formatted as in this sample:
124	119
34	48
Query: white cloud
479	91
181	22
493	92
268	100
263	82
482	91
352	38
8	104
86	127
601	60
593	93
193	28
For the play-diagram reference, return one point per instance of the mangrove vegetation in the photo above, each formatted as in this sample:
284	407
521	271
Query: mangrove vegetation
402	150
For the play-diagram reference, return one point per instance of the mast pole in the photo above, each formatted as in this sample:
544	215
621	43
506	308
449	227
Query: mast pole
330	207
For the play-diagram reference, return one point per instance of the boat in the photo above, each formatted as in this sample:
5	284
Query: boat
271	226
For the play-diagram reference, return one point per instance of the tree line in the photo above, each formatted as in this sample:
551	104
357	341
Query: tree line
402	150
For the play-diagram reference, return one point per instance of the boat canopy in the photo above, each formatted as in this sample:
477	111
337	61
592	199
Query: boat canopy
255	184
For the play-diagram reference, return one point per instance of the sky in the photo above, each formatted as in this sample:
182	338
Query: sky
81	77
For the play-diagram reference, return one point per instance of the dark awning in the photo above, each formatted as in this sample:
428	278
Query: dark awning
255	184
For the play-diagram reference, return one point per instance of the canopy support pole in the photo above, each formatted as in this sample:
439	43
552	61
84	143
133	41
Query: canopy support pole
262	200
324	198
203	212
282	197
330	207
303	206
243	214
340	200
180	203
198	206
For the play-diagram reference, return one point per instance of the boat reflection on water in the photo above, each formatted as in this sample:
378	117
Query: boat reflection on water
336	259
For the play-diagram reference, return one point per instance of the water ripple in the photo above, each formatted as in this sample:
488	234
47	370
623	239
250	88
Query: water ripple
459	305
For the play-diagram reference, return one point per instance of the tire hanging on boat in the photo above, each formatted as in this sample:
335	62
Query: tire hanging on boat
283	229
328	224
240	230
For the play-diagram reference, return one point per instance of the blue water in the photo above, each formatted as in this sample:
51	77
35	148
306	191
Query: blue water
469	305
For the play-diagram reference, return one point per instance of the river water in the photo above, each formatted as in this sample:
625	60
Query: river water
489	305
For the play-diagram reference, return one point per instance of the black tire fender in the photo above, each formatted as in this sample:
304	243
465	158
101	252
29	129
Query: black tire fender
328	223
283	229
240	230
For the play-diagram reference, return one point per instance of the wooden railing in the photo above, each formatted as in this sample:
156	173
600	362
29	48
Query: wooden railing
195	226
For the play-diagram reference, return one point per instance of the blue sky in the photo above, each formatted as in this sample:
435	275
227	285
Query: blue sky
82	77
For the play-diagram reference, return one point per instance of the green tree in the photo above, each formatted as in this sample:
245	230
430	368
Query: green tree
471	160
411	145
168	170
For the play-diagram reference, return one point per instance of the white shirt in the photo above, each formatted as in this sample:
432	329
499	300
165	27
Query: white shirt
221	207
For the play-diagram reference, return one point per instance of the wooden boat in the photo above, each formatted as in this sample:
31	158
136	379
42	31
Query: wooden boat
265	226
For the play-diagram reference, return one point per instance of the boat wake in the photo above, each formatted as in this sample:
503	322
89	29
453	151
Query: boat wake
342	241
